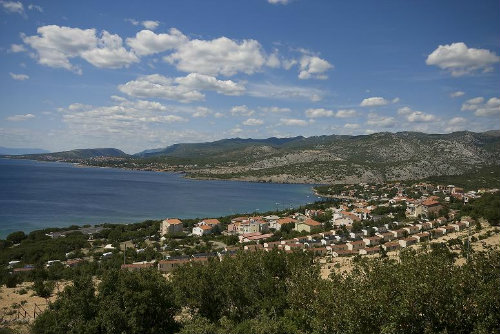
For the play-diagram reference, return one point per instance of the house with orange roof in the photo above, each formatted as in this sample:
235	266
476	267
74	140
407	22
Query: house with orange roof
307	225
170	226
277	224
201	230
211	222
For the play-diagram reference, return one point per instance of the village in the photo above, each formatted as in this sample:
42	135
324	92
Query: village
362	223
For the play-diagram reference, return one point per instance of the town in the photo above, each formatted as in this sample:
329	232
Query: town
352	220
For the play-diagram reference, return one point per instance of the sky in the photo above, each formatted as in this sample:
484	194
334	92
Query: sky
137	75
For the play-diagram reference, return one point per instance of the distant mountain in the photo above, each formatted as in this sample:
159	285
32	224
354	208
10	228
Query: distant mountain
216	147
334	158
19	151
77	154
370	158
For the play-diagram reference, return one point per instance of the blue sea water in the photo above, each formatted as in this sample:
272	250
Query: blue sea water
36	195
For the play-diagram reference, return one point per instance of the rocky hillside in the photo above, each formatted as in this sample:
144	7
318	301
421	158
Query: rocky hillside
344	159
321	159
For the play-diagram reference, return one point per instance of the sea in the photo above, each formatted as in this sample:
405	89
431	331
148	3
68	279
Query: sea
36	195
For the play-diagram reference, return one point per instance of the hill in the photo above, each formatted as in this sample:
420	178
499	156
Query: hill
77	154
370	158
335	159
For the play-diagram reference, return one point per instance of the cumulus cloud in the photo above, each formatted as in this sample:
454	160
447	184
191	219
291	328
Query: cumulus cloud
55	45
201	112
275	109
472	104
414	116
218	56
457	121
183	89
20	118
109	53
206	82
147	42
459	59
420	117
346	113
242	110
124	116
15	48
351	126
35	7
19	77
293	122
313	67
151	25
481	109
13	7
269	90
319	112
458	93
374	102
280	2
253	122
380	121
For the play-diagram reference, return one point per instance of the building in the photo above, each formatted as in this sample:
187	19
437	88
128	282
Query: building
278	224
407	242
137	266
201	230
307	225
170	226
355	245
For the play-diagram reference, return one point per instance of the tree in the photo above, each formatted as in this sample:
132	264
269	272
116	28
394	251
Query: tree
16	237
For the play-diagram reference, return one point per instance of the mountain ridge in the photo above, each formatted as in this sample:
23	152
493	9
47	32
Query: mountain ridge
377	157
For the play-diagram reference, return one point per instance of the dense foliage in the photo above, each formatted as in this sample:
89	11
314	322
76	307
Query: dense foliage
276	292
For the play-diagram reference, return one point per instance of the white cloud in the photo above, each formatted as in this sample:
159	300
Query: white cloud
273	60
319	112
404	111
201	112
126	116
218	56
280	2
490	108
253	122
20	77
351	126
147	42
55	45
414	116
274	109
206	82
380	121
183	89
457	121
151	25
269	90
242	110
110	53
458	93
313	67
156	85
472	104
420	117
20	118
374	102
293	122
35	7
17	48
13	7
459	59
346	113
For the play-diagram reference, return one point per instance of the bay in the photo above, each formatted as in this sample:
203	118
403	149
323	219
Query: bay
36	195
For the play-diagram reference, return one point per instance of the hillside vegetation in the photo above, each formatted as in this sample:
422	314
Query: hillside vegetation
371	158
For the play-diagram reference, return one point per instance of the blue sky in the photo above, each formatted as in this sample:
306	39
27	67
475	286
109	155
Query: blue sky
139	75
